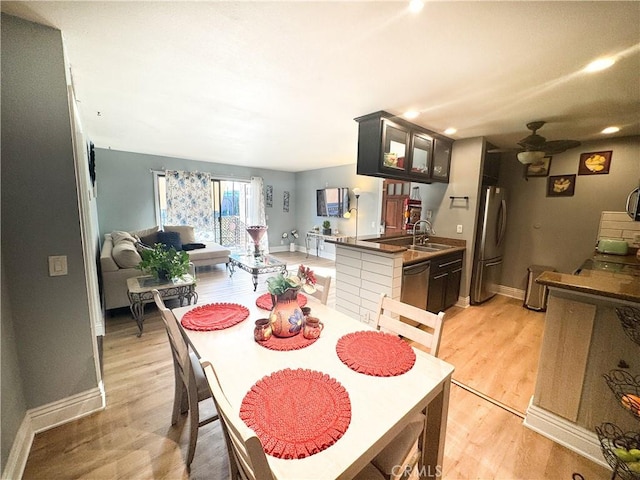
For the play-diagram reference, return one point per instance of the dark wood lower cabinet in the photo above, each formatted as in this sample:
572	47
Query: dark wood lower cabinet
444	282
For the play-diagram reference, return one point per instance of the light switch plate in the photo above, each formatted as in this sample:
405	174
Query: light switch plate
459	229
57	265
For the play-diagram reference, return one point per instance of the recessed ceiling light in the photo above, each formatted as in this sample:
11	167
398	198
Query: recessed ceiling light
450	131
415	6
600	64
411	114
610	130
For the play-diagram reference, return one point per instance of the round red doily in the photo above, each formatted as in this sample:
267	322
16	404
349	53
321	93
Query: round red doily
264	301
290	343
297	413
375	353
214	316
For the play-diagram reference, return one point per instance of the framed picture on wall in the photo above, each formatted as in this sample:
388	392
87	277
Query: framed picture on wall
561	186
594	163
285	204
269	196
539	168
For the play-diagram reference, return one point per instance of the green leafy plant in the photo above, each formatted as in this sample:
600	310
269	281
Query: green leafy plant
304	278
161	261
326	224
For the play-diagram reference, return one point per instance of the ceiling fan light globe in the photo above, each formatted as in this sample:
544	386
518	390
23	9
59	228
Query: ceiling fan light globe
527	158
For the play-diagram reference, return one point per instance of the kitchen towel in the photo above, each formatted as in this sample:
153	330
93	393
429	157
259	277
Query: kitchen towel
214	316
376	353
297	413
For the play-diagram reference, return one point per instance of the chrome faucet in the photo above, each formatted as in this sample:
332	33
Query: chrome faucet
429	230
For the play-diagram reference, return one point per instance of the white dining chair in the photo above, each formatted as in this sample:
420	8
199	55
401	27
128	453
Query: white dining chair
402	453
191	386
247	459
323	283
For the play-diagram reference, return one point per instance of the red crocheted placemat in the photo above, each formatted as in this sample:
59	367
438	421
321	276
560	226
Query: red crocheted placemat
297	413
264	301
376	353
214	316
290	343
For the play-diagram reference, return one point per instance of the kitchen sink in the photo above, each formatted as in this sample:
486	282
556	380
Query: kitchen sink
430	247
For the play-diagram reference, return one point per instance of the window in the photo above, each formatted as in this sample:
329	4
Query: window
230	211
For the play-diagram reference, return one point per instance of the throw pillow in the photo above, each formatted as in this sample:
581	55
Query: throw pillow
170	239
150	239
126	255
187	233
119	236
145	232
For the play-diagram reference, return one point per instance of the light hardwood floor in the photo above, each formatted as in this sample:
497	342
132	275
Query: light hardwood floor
133	437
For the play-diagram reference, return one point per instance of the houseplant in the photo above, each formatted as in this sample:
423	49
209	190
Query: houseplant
286	316
326	227
164	263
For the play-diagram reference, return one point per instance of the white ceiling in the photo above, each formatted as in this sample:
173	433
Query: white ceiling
278	84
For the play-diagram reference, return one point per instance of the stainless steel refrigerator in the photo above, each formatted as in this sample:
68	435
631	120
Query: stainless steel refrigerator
489	244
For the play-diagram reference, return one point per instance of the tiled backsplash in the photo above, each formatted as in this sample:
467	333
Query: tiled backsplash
620	226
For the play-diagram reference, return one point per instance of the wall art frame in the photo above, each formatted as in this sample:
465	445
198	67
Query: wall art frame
595	163
539	168
561	185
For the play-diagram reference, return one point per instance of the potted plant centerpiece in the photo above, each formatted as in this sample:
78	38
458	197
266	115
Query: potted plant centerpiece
164	263
326	227
286	316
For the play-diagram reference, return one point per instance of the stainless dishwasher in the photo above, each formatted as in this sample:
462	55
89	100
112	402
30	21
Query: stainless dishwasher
415	284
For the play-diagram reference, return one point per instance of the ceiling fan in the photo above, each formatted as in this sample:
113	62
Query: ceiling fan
536	147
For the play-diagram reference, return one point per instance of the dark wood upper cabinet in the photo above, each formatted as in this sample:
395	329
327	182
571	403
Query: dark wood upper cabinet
391	147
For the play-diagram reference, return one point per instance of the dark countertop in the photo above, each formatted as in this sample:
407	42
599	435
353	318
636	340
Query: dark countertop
611	276
409	257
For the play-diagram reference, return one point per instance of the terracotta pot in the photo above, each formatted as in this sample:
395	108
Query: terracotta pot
286	316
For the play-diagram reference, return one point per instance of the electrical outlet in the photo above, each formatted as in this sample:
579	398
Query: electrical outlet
459	229
429	214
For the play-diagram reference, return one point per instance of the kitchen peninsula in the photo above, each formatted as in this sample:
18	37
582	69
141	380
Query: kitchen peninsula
369	266
584	340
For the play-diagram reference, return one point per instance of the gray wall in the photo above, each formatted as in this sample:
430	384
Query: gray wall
49	315
464	181
12	400
125	193
345	176
561	231
125	189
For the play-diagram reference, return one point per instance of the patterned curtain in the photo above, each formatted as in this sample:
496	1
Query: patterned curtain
257	215
189	200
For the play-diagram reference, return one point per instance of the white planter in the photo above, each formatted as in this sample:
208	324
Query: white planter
292	247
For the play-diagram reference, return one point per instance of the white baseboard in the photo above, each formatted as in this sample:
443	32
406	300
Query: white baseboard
14	468
43	418
576	438
67	409
511	292
463	302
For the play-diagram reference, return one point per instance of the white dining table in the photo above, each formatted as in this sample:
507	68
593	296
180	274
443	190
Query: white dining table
380	406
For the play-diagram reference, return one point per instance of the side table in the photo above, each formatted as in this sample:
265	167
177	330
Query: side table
139	292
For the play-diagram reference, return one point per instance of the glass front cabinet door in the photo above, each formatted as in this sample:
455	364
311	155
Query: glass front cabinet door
395	141
441	160
421	145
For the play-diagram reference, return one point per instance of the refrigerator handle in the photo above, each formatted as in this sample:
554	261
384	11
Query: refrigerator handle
628	207
502	223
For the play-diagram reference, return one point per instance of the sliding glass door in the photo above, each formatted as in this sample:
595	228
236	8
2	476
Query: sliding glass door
230	200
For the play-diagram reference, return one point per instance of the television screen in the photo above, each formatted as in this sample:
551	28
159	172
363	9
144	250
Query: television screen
332	202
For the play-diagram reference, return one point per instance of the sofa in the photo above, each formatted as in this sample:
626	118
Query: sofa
119	257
